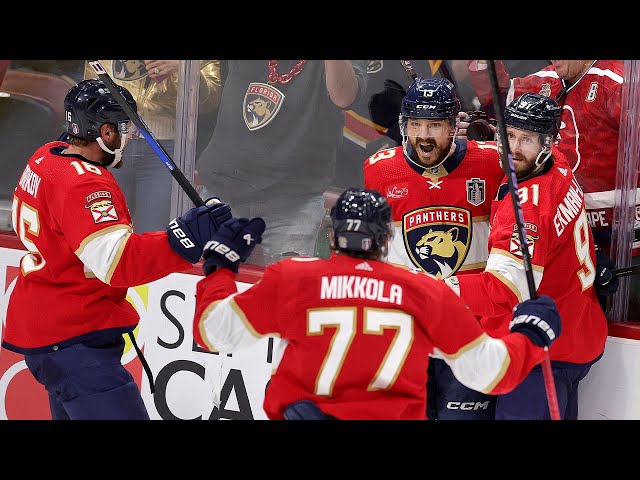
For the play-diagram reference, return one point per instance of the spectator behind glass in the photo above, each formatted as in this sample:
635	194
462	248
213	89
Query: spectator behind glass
273	151
153	83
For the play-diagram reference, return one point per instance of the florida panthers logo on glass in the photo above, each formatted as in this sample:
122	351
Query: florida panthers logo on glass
437	238
261	104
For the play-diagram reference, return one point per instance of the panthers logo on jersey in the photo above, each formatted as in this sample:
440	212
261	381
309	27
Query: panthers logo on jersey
437	238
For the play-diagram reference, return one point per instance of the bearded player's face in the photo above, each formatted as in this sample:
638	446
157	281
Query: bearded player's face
430	139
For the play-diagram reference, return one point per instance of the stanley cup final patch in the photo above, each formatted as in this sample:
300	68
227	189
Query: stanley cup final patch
101	207
475	191
261	104
437	238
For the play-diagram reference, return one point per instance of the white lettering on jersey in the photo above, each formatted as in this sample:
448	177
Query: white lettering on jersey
350	286
570	207
30	182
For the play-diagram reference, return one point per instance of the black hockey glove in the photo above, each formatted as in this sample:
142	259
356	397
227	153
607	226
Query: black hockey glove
538	319
606	283
189	233
232	244
305	410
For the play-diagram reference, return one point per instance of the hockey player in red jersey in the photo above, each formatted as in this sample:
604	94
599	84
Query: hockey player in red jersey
355	332
589	93
68	311
440	189
562	258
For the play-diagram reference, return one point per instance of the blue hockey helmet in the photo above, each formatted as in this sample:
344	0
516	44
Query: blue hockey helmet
430	98
361	221
89	104
534	113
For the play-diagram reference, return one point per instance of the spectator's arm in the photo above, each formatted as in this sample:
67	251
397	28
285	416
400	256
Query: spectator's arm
342	82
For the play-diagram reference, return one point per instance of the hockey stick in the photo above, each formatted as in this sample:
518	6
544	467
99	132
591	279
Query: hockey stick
173	169
406	64
626	271
147	134
507	165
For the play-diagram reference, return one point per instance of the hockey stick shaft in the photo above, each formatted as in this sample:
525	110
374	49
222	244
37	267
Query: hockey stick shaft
508	166
406	64
626	271
147	134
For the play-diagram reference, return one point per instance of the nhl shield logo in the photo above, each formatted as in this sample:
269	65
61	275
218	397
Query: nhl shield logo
261	104
437	238
475	191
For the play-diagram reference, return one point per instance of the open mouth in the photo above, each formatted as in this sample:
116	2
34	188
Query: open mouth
426	147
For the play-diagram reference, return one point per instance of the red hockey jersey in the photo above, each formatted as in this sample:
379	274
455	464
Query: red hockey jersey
356	335
73	219
441	215
588	133
562	258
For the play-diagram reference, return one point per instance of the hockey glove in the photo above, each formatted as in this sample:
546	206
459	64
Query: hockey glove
189	233
606	283
305	410
538	319
232	244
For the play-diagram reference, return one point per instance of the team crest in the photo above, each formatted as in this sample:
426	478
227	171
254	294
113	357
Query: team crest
261	104
101	207
475	191
545	90
129	70
437	238
374	66
531	231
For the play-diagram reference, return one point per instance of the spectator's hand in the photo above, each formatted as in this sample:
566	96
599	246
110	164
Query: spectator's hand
189	233
538	319
159	70
232	244
463	124
606	283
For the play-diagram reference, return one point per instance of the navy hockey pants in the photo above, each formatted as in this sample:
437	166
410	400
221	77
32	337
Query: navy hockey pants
448	399
528	401
88	382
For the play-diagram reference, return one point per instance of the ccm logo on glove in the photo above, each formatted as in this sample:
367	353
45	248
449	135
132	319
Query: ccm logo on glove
532	319
180	235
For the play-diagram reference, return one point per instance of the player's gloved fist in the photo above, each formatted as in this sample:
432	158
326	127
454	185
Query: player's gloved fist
304	410
189	233
606	283
538	319
232	243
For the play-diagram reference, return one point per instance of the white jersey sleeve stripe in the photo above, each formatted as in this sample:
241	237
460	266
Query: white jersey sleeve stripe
480	365
101	252
510	271
225	328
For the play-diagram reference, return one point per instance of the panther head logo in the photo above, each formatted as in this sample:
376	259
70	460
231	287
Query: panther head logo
443	248
437	238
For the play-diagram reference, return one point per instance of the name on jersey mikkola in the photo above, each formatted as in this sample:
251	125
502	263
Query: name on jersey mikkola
30	182
570	207
352	286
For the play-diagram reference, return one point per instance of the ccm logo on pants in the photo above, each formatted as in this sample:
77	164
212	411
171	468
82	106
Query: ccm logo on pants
468	405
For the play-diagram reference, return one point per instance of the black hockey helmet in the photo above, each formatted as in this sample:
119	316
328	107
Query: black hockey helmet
534	113
89	104
361	221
